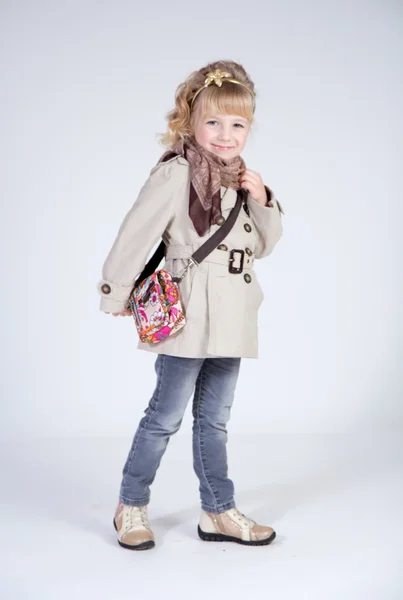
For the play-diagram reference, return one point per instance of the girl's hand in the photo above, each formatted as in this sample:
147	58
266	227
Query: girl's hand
125	313
252	181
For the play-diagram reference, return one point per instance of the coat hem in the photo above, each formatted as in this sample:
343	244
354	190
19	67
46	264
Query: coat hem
186	355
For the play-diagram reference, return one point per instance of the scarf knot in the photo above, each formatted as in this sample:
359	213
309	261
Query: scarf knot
209	173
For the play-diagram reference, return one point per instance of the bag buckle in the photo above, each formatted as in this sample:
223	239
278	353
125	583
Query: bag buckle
233	269
191	263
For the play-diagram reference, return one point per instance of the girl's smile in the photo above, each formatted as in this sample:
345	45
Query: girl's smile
222	148
221	134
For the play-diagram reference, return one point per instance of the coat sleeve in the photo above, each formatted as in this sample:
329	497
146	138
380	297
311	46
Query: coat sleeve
267	221
141	228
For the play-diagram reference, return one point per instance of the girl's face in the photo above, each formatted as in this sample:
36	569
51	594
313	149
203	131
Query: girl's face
224	135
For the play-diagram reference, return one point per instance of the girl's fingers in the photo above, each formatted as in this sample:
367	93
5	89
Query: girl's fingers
251	176
249	179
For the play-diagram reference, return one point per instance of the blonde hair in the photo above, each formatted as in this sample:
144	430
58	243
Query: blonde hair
230	98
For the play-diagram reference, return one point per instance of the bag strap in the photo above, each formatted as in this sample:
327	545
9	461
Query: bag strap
213	241
204	250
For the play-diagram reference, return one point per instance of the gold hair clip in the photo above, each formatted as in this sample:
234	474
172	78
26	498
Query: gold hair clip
217	77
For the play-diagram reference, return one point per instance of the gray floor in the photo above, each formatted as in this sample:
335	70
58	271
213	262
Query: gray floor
335	501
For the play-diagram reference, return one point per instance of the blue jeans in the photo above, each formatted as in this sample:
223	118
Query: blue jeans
213	381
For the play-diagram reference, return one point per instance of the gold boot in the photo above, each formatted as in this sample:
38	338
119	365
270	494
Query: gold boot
233	526
131	523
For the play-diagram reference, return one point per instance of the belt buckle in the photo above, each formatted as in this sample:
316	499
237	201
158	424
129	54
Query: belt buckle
233	269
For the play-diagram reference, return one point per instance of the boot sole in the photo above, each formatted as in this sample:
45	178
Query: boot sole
142	546
220	537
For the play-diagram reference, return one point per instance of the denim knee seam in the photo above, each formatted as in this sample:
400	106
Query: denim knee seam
150	415
201	445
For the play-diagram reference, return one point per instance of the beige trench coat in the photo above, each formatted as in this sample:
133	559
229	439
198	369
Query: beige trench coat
221	308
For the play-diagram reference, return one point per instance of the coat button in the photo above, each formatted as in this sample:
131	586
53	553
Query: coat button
248	251
220	220
247	227
106	289
222	247
247	278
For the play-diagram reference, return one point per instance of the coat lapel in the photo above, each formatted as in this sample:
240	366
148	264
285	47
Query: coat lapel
228	198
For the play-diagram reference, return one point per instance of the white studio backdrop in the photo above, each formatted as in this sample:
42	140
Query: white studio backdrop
85	87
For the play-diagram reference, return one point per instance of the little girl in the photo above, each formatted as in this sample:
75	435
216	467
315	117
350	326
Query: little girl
185	200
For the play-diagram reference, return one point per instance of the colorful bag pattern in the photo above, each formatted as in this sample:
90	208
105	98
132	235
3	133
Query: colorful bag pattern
156	307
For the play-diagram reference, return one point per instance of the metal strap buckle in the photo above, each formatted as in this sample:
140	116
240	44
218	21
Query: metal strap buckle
191	263
233	269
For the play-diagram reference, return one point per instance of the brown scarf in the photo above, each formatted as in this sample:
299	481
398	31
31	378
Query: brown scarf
209	173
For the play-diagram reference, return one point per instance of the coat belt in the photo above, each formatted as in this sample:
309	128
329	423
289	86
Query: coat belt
218	257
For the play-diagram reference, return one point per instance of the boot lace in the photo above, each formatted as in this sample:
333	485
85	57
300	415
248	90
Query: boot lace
135	517
241	518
